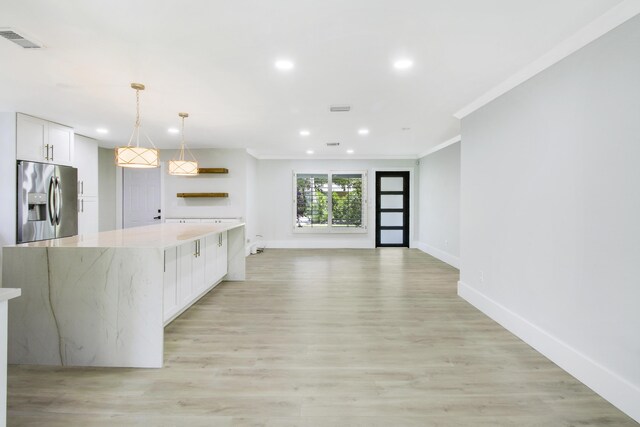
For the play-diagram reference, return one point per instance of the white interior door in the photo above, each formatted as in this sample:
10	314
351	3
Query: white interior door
140	197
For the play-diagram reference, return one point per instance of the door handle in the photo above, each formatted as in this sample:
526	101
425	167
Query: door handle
58	201
50	203
82	187
82	204
157	217
52	152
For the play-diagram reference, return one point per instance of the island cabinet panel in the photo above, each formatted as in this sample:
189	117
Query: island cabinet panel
170	297
222	256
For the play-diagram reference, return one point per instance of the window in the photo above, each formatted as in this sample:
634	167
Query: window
330	202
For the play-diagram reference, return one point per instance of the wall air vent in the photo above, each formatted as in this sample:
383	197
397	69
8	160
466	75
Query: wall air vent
19	39
332	144
339	108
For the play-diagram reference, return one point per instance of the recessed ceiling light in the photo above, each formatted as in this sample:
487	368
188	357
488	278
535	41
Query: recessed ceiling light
349	151
305	133
309	151
403	64
173	130
102	130
284	64
363	131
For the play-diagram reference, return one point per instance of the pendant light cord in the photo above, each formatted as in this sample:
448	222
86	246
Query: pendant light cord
138	125
182	142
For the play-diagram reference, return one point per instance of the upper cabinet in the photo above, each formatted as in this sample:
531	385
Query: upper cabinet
42	141
86	160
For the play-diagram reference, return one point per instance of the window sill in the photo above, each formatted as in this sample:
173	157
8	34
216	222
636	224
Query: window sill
332	230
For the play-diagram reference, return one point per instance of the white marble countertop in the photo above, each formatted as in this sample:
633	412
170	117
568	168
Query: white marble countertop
9	293
150	236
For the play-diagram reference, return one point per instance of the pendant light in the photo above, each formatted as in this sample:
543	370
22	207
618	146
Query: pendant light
183	166
135	156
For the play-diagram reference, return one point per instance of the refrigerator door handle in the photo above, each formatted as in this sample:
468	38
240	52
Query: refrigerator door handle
58	200
51	202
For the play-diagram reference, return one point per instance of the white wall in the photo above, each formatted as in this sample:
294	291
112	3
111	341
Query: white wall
275	201
252	211
233	183
551	213
8	171
106	189
439	207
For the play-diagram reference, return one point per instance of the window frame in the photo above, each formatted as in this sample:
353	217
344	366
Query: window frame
331	229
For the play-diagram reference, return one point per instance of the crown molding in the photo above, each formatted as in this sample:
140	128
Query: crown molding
600	26
439	147
330	157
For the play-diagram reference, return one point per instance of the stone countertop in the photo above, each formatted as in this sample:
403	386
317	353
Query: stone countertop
150	236
9	293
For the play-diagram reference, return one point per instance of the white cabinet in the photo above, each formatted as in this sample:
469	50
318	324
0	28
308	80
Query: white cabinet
201	220
39	140
31	134
86	160
87	215
61	144
170	292
216	256
190	270
181	220
211	254
221	256
221	220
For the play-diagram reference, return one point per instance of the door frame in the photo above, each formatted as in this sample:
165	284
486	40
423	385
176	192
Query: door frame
120	195
373	202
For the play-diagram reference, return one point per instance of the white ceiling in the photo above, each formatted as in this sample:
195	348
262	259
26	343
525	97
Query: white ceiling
214	59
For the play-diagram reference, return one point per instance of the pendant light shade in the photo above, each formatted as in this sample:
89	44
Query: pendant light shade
135	156
183	165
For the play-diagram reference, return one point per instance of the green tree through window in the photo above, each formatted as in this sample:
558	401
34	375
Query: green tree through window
326	201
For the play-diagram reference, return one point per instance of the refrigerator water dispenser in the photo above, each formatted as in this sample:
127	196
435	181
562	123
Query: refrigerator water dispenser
37	206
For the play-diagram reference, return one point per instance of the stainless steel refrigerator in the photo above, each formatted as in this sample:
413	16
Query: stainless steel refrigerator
47	201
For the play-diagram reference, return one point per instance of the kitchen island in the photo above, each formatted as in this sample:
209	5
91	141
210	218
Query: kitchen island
103	299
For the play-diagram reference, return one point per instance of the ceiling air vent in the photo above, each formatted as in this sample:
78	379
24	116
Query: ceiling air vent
339	108
19	39
332	144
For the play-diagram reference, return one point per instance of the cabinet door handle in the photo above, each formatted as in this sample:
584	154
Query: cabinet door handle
195	248
52	152
46	156
82	204
82	187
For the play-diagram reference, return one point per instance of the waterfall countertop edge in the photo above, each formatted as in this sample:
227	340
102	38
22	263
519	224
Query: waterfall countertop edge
9	293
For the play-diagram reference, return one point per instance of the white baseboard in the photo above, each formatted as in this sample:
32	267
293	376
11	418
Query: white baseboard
452	260
319	244
620	392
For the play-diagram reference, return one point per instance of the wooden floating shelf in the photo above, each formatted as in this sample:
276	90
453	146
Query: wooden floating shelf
213	170
186	195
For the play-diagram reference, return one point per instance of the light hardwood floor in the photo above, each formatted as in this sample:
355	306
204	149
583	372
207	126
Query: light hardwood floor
323	338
